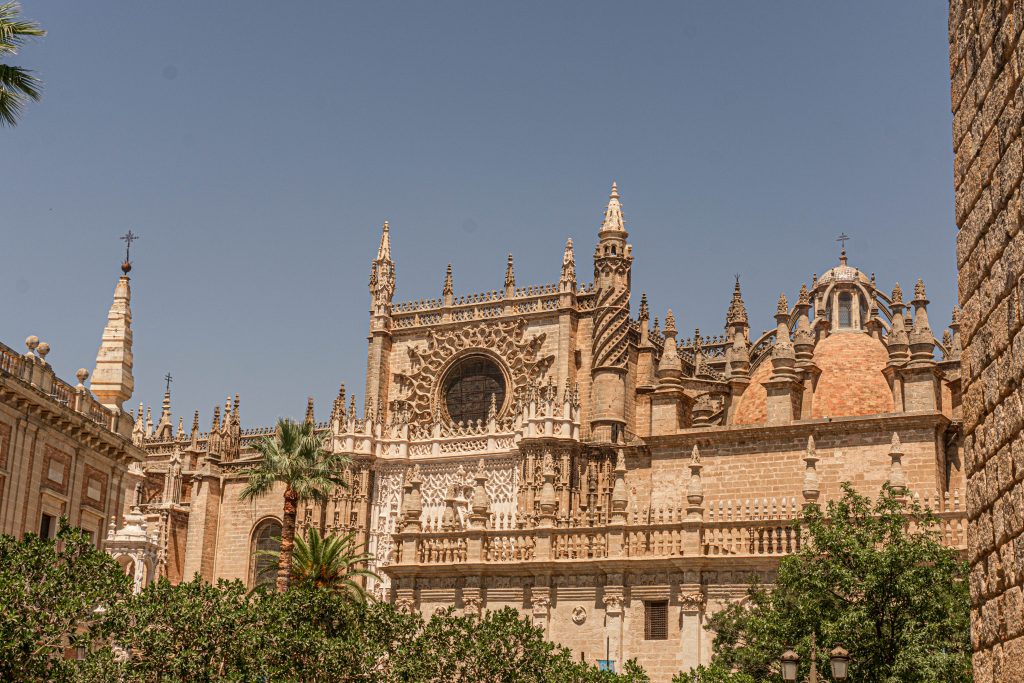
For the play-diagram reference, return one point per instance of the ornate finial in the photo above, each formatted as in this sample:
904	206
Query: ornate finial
695	455
168	379
670	324
814	281
947	339
783	306
872	280
128	238
510	275
737	314
613	220
919	289
804	299
82	374
492	410
895	445
897	294
447	291
309	411
645	313
843	237
195	422
568	279
956	316
811	448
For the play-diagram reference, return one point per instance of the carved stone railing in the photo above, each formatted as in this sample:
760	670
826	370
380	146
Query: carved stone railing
478	306
759	528
36	372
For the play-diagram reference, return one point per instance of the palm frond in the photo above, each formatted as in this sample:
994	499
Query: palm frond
14	31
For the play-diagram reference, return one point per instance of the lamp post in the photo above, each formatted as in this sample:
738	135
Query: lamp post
839	659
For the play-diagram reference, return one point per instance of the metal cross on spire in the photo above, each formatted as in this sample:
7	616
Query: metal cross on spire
843	237
128	238
168	379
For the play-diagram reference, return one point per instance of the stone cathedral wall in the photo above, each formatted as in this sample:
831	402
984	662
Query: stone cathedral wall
986	57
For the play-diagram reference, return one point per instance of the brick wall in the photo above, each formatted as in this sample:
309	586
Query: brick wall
988	102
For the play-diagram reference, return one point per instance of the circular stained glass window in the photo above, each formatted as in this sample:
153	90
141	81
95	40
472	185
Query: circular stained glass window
468	386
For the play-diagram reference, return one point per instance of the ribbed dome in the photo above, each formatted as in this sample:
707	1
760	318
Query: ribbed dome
842	273
851	381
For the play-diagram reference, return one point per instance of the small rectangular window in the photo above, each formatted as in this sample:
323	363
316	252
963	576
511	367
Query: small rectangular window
47	526
656	620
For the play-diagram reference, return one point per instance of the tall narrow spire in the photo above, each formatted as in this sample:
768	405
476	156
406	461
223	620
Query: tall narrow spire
567	282
613	220
448	289
382	276
737	314
112	379
510	277
309	411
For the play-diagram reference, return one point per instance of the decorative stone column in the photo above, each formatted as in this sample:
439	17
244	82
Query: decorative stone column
694	507
784	389
540	604
614	605
691	607
897	477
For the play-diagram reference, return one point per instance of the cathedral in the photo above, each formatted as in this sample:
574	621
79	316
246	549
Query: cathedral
557	449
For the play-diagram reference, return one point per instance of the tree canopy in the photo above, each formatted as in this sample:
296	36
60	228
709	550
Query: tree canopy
875	578
17	84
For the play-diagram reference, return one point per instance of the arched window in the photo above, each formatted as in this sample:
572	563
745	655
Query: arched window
845	310
266	538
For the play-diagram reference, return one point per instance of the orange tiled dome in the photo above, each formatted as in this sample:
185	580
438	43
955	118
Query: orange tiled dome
851	381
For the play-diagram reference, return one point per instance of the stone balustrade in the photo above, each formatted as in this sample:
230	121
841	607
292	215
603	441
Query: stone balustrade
33	369
737	529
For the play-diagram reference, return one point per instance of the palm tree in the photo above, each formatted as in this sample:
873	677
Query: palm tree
331	562
297	458
16	84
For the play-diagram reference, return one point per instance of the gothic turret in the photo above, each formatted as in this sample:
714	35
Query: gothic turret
112	380
382	291
612	262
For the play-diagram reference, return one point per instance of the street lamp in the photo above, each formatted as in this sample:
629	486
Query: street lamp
840	660
790	663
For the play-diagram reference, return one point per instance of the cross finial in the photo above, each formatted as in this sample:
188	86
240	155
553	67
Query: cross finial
842	239
128	238
168	379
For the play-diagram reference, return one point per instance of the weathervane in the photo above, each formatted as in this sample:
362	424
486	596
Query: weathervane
128	238
168	379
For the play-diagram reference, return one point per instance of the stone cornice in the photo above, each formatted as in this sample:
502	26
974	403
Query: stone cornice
30	400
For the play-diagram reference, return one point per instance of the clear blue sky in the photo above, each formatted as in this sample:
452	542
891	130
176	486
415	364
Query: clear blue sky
257	147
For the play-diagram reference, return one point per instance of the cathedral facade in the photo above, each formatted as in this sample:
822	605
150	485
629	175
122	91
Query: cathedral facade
542	447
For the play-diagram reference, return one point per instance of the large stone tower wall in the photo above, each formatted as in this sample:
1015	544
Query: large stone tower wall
988	104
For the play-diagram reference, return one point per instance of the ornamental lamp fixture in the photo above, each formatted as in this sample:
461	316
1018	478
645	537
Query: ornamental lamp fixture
840	660
790	664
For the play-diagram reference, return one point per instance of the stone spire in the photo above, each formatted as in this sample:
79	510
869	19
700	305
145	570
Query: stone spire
784	388
782	355
309	411
567	282
619	499
670	367
447	292
803	336
922	340
382	275
955	344
510	279
112	380
164	428
898	342
613	220
737	315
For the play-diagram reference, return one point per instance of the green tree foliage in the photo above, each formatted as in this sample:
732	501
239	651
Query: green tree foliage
873	577
332	562
716	673
298	458
50	591
17	85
